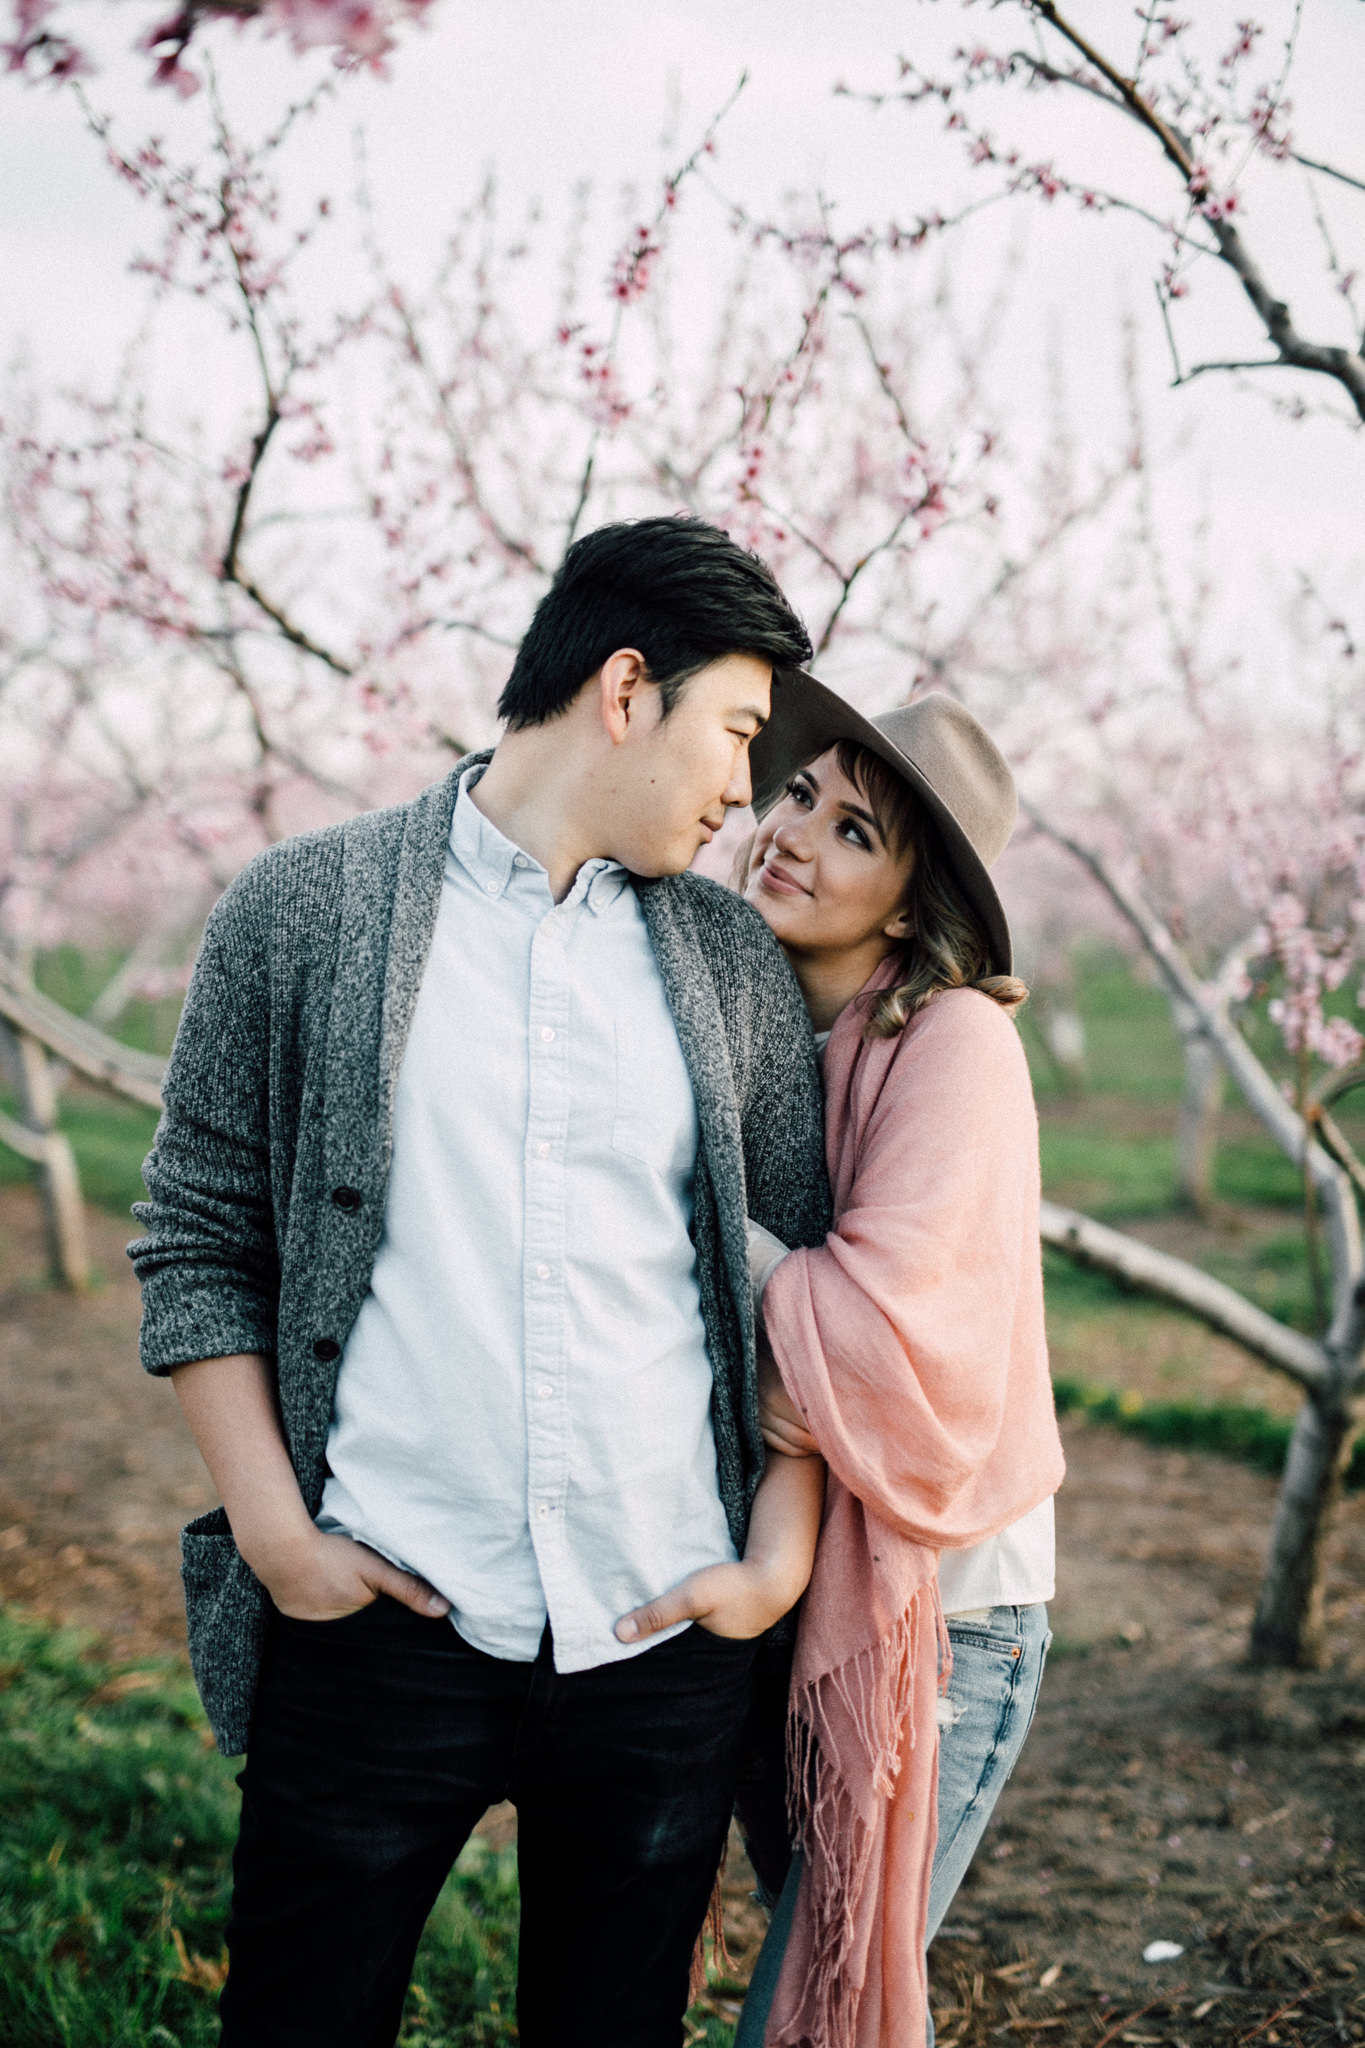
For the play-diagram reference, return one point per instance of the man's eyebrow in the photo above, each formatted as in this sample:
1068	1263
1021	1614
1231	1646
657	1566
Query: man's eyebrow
760	718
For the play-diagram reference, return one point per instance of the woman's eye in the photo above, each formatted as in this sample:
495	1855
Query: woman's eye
798	792
857	837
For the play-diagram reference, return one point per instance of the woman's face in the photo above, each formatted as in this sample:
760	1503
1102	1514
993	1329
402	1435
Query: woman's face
822	874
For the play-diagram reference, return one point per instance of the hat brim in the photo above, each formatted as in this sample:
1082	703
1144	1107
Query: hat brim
807	719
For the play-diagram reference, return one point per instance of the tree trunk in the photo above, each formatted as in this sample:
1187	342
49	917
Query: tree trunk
1197	1129
1287	1630
39	1140
1064	1036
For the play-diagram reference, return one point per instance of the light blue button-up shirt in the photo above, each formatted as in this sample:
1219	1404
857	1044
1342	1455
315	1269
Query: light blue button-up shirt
523	1411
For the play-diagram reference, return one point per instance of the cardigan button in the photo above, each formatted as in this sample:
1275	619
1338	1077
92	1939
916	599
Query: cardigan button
326	1349
348	1199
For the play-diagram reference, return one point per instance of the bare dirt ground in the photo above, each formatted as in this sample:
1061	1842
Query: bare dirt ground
1167	1793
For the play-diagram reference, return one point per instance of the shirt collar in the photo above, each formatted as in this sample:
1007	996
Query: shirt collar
492	859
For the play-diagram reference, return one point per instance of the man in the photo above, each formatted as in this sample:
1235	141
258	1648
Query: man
446	1253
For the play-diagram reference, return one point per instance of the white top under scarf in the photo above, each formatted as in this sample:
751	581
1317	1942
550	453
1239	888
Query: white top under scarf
523	1412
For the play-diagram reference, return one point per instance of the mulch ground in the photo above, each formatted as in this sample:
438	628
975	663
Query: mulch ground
1166	1794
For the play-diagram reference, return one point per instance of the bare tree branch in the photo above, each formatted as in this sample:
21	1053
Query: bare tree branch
233	572
1184	1286
90	1051
1329	1130
1295	351
1328	171
1251	363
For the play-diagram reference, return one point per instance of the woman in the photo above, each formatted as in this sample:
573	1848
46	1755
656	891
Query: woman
909	1351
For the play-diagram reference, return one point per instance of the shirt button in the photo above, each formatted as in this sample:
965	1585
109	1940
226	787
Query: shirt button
519	860
543	1510
543	1392
491	887
542	1151
542	1272
546	1034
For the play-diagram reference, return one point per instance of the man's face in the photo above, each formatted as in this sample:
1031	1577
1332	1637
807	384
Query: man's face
674	778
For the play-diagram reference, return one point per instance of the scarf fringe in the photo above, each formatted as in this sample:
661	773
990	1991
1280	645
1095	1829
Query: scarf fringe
876	1692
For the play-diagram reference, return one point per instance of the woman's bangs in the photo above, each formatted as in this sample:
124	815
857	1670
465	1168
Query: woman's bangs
888	795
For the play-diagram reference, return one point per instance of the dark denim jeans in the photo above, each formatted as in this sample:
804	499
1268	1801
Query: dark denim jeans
377	1742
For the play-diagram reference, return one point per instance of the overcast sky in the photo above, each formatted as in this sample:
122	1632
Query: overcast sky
548	92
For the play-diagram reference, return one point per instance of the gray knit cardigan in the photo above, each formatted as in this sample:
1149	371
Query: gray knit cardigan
268	1174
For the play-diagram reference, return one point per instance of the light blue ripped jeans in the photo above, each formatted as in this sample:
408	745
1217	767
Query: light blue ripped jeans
983	1720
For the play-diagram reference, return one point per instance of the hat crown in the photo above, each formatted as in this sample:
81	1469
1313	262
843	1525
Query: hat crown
962	764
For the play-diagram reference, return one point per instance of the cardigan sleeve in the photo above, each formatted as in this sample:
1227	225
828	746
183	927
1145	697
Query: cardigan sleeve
895	1336
784	1128
772	1067
207	1261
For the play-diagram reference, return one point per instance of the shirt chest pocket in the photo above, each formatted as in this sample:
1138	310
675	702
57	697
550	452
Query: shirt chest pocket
654	1117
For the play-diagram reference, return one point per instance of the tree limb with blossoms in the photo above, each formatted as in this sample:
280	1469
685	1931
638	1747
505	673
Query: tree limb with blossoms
1208	117
215	640
360	33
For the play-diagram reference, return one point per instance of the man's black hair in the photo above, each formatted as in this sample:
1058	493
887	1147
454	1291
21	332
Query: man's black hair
680	591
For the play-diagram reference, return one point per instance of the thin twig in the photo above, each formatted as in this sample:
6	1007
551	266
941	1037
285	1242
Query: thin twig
1277	2015
1141	2013
1254	363
231	570
1328	171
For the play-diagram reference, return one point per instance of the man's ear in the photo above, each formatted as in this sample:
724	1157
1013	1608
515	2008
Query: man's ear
621	683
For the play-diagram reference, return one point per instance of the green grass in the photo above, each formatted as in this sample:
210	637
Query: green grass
1222	1429
110	1138
1109	1174
1111	1151
115	1827
1253	1170
74	978
117	1819
1131	1044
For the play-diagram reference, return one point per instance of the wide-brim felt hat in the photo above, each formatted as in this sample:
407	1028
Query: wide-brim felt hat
948	758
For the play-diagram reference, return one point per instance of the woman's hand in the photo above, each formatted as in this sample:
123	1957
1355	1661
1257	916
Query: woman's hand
746	1598
737	1600
783	1424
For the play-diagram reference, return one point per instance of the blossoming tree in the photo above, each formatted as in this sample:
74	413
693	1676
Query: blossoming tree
1210	113
227	635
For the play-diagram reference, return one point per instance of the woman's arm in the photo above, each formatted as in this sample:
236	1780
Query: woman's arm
898	1337
745	1599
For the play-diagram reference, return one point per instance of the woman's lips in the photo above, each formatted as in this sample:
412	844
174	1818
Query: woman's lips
782	884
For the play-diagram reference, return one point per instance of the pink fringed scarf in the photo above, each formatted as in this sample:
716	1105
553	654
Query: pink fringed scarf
913	1342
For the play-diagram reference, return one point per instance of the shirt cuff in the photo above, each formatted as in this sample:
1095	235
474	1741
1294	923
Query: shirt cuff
766	1254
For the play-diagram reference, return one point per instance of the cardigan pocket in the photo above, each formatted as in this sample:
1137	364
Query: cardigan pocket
226	1611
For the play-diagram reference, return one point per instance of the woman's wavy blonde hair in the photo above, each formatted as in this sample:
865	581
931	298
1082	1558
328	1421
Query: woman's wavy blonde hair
948	946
